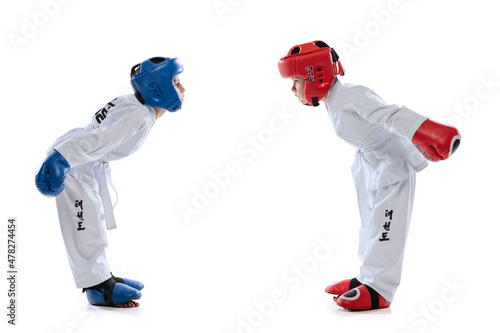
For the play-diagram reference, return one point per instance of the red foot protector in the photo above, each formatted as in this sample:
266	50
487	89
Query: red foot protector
362	298
339	288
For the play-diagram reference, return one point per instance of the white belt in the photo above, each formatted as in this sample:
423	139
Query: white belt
102	172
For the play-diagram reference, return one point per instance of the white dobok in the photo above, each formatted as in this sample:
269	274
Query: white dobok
84	207
384	176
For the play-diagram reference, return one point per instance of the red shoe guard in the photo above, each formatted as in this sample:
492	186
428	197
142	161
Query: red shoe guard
362	298
341	287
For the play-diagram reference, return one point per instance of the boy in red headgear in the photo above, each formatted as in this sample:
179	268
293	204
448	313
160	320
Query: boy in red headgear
393	143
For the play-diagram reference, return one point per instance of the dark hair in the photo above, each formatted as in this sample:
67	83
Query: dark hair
137	68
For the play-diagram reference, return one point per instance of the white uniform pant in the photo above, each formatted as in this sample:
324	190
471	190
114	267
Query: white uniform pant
83	227
385	221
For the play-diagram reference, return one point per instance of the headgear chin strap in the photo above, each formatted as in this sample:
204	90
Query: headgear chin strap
317	63
154	83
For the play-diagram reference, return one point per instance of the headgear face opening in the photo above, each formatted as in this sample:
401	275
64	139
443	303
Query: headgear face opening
154	82
317	63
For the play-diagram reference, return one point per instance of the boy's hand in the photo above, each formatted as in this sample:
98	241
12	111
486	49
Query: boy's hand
436	141
50	178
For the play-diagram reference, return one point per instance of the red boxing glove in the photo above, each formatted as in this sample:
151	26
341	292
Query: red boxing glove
436	141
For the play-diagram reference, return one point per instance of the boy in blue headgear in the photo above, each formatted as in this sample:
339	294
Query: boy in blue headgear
76	171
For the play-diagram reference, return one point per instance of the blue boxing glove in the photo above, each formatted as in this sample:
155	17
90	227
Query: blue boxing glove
52	173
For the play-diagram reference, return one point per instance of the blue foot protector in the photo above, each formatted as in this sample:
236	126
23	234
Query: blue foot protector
110	293
131	283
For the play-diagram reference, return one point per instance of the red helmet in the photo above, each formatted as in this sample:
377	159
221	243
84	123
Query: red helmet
317	63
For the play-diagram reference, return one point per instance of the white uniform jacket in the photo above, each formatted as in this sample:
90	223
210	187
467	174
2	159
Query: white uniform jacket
364	120
116	131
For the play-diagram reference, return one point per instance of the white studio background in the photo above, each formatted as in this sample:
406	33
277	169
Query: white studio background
260	244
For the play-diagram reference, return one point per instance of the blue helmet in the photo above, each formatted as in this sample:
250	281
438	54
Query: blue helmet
153	82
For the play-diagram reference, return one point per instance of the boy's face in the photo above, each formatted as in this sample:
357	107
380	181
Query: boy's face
299	84
178	86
